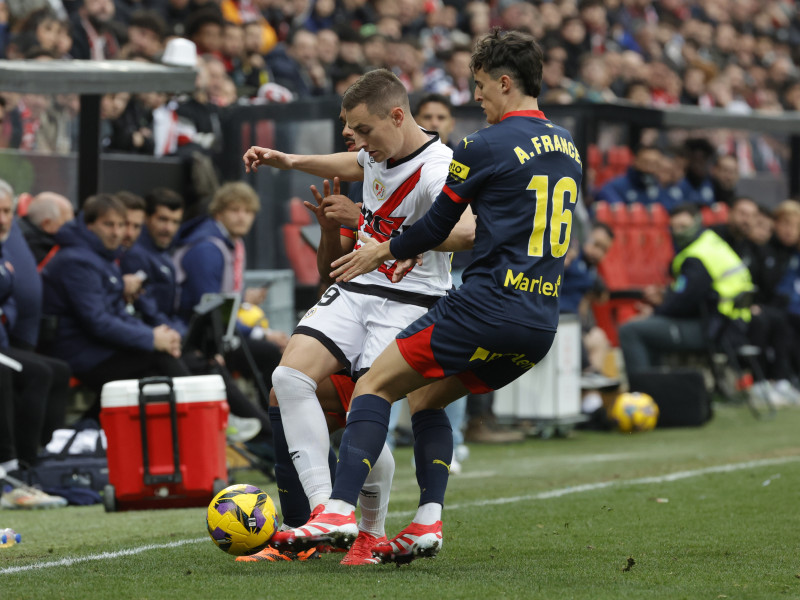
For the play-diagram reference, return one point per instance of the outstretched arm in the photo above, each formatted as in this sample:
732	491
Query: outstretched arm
426	234
341	164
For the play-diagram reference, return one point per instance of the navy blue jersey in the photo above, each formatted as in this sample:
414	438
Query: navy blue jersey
522	178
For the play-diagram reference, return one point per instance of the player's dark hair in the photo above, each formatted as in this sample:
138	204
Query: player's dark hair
380	90
161	196
436	99
98	205
130	200
511	53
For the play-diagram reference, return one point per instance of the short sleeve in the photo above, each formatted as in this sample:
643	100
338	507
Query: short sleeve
362	157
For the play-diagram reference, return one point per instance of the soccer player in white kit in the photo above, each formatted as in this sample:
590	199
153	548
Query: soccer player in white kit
404	169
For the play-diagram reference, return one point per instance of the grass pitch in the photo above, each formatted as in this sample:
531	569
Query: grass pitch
682	513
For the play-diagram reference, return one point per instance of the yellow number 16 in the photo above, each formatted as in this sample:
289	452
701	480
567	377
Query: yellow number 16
561	218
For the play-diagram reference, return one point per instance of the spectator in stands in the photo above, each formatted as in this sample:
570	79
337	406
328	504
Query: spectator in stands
296	65
147	34
246	74
40	30
47	212
640	182
594	81
129	127
247	13
376	49
407	62
95	33
210	258
204	28
455	79
42	388
724	177
763	226
697	186
83	290
434	113
708	275
736	232
350	50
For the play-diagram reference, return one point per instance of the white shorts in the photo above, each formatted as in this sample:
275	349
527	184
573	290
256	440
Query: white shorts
355	327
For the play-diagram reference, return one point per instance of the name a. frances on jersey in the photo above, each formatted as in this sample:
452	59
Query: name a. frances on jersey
547	143
458	170
518	281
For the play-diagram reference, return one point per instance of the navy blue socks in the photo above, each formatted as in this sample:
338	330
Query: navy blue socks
294	503
362	442
433	453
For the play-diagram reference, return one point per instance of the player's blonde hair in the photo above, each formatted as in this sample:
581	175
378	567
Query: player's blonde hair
234	193
380	90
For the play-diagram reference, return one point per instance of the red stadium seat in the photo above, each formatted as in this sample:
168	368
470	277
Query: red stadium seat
594	156
23	201
302	257
602	212
298	213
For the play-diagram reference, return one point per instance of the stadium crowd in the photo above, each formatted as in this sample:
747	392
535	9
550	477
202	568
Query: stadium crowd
738	55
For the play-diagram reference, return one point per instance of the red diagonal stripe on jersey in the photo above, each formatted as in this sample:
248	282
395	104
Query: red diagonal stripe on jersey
395	200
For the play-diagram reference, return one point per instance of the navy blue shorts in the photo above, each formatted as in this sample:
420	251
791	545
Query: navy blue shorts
485	354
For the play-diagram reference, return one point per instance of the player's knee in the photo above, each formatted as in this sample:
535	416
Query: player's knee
286	379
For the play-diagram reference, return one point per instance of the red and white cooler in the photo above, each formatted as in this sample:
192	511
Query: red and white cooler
166	441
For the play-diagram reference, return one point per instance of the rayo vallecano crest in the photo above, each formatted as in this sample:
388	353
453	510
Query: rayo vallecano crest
379	189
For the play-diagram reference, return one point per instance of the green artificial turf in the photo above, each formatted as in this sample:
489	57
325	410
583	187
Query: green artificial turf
593	516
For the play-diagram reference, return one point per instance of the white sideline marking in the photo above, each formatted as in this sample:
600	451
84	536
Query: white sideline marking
66	562
557	493
590	487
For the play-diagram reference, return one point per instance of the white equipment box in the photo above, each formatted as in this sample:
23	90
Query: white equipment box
550	393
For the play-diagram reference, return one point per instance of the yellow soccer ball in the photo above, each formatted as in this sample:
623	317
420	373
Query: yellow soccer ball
241	519
634	411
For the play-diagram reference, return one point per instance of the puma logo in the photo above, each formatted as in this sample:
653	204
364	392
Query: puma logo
366	462
466	142
441	462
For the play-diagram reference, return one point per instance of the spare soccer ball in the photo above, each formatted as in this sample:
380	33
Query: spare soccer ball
634	411
241	519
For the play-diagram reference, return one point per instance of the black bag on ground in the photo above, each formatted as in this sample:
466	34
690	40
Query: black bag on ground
681	395
85	473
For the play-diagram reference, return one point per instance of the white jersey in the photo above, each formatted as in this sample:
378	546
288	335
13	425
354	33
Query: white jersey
396	195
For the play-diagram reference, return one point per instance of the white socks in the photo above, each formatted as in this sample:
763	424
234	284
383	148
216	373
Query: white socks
428	514
374	497
306	431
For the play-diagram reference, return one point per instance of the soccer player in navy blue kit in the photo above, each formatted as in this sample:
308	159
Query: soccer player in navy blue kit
521	176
